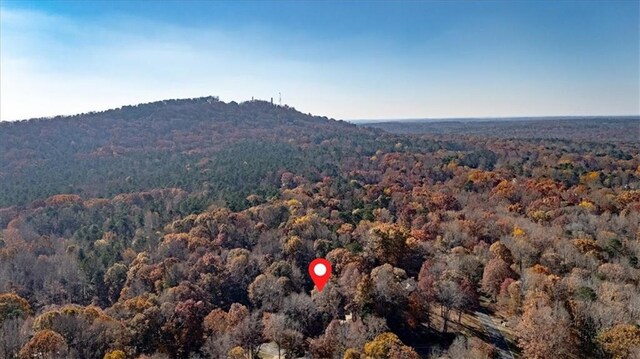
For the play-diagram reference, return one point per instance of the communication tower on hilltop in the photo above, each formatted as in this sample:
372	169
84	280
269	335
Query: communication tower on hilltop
280	98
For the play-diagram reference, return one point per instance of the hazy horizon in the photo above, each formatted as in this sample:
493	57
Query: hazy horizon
343	60
353	120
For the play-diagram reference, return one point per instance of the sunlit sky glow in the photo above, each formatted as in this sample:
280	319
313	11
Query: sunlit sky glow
347	60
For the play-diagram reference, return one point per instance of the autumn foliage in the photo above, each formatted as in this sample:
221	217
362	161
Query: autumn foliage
183	229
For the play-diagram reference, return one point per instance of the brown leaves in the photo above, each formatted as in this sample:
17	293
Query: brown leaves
388	346
495	272
388	243
45	344
63	199
12	306
545	332
620	340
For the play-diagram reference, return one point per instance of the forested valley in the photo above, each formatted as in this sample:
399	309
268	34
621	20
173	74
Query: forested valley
184	228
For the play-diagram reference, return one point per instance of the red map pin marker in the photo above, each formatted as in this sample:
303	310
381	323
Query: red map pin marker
320	271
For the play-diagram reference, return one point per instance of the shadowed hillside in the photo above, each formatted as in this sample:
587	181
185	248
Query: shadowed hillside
200	145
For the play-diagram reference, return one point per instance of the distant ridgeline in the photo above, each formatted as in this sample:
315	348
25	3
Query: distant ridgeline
588	128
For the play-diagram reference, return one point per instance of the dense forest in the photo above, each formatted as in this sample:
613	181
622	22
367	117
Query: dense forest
184	228
591	129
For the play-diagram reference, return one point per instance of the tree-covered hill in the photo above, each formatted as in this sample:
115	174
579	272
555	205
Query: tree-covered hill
201	145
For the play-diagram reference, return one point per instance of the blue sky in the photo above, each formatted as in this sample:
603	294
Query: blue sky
347	60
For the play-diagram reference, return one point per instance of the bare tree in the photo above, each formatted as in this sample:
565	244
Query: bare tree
450	295
14	334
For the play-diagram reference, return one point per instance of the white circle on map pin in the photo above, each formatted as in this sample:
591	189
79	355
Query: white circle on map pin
320	269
